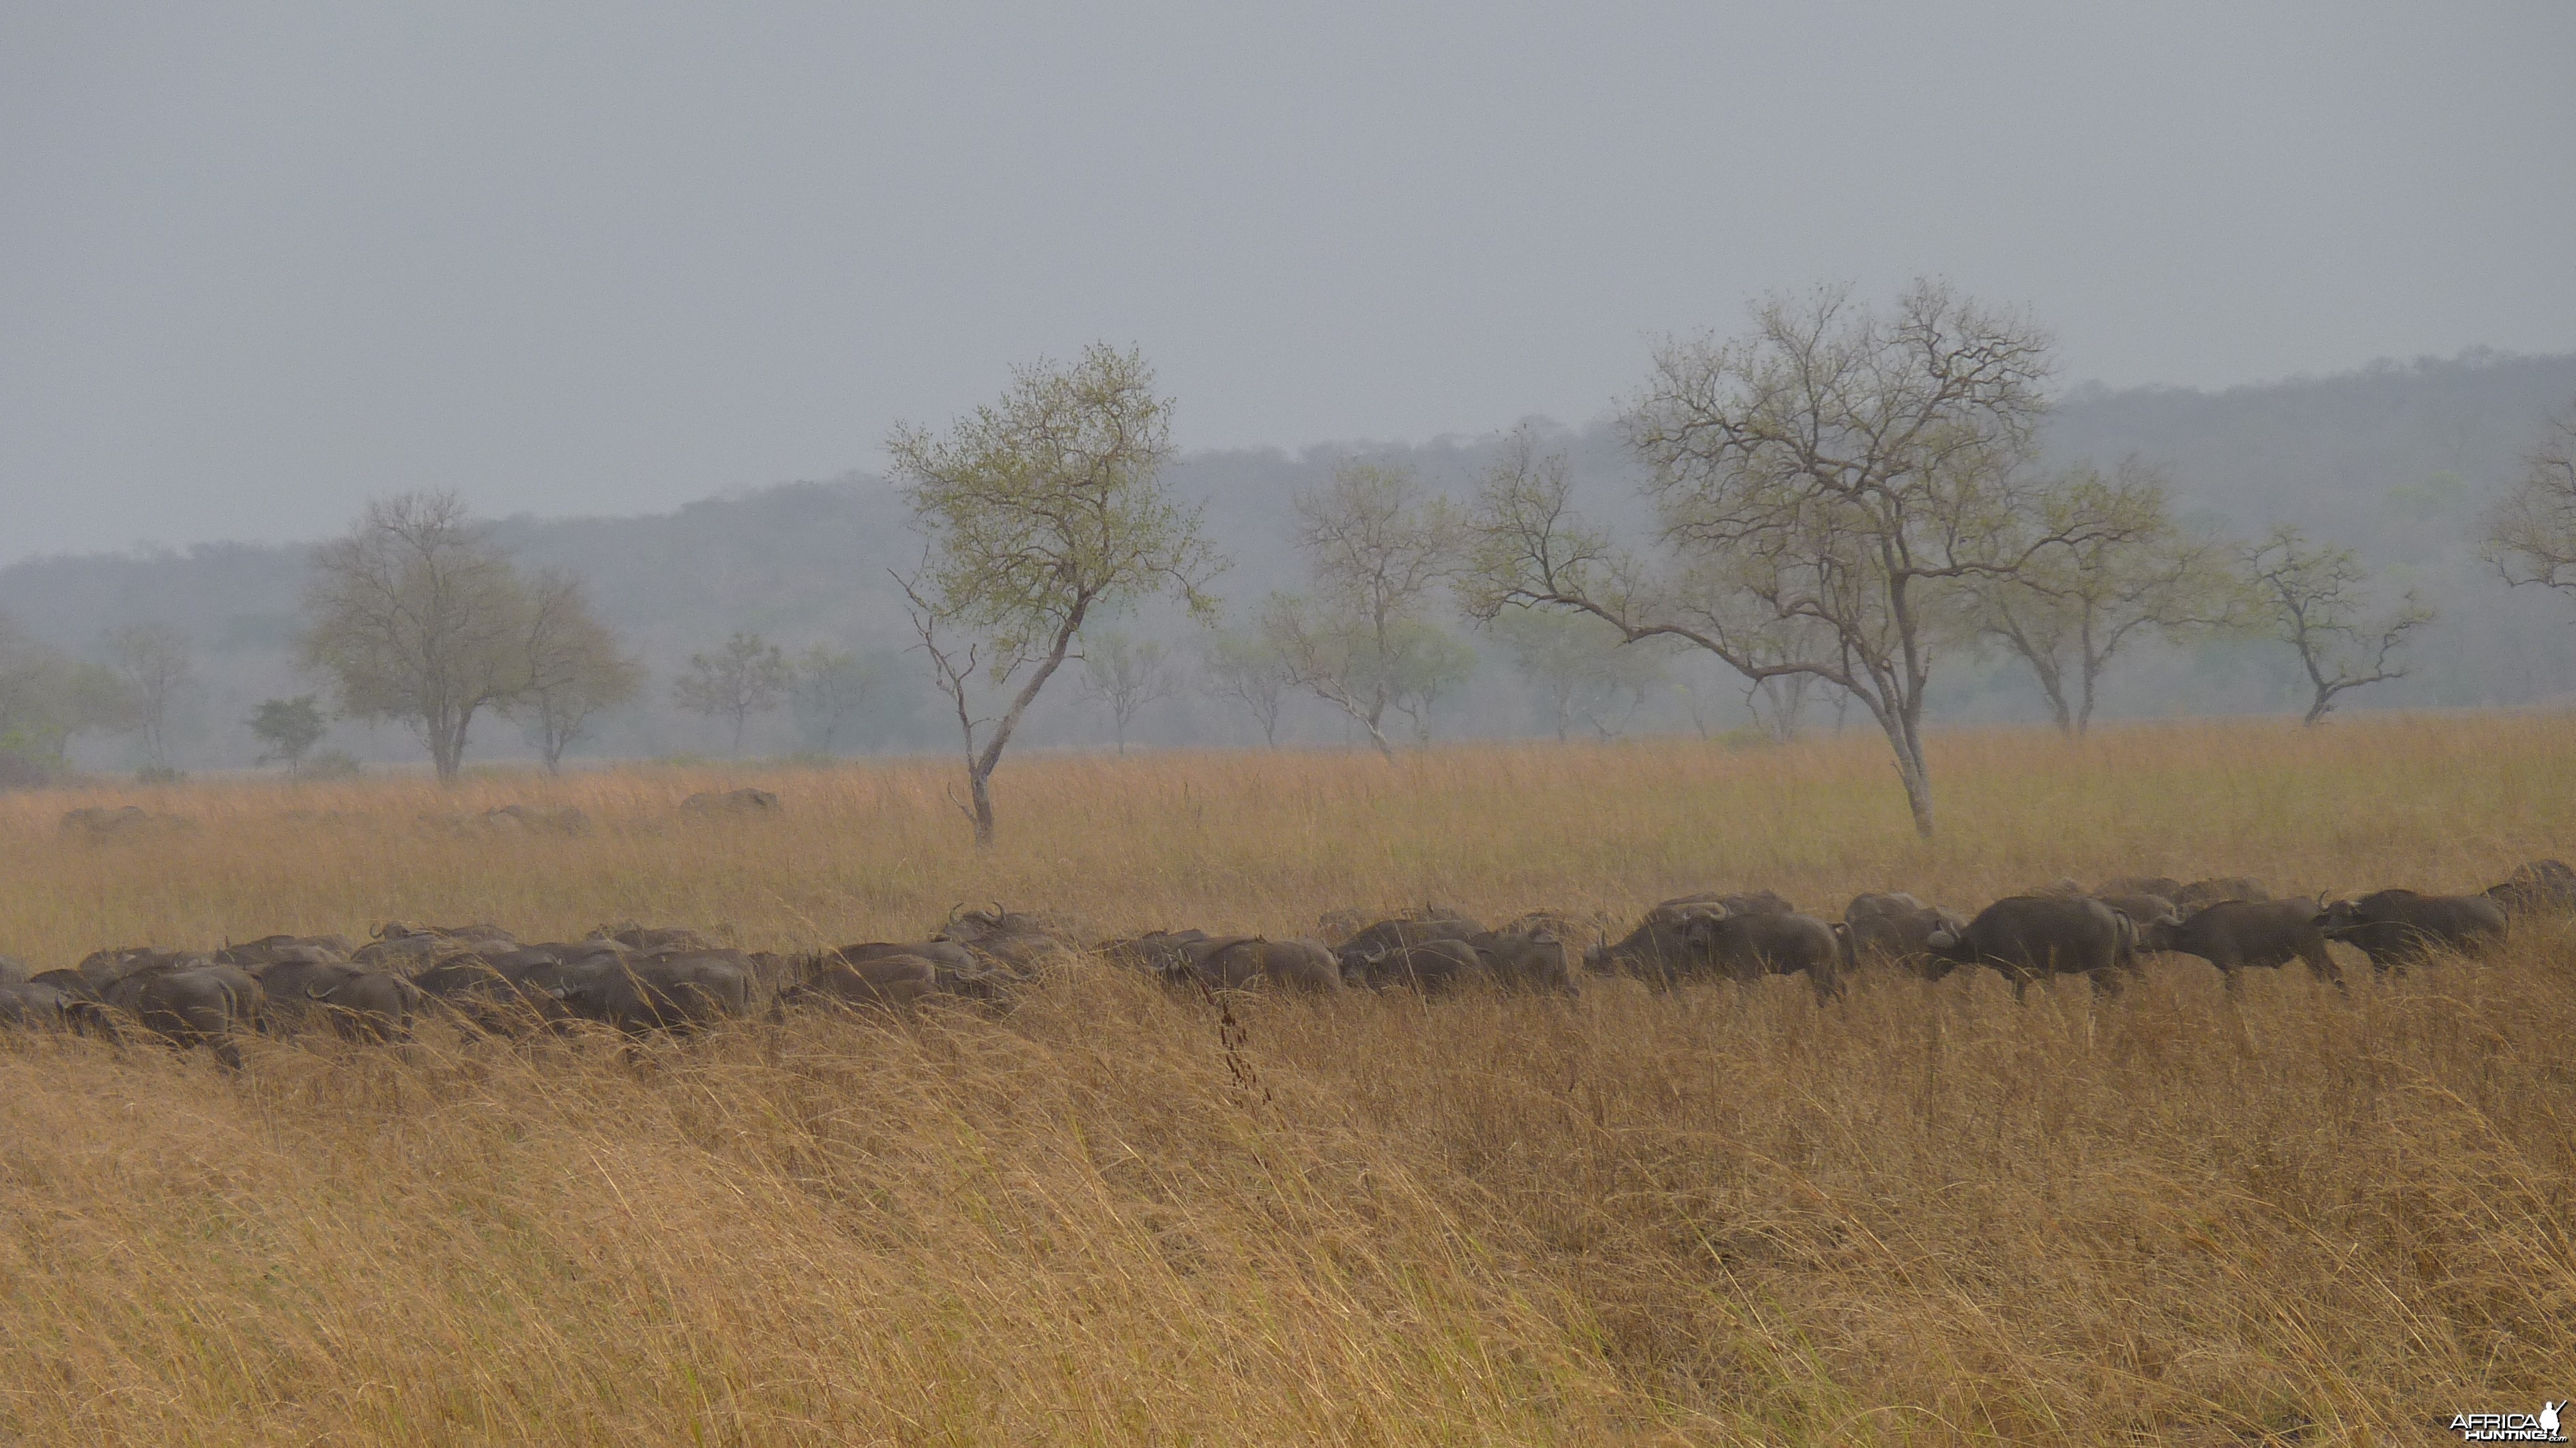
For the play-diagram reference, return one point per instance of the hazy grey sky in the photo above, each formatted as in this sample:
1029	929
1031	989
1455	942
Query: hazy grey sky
260	262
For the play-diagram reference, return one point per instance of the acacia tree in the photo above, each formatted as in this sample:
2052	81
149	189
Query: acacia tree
2119	568
2531	534
1823	487
154	660
576	671
1376	549
290	728
1126	674
418	616
1037	511
1247	670
2316	598
748	676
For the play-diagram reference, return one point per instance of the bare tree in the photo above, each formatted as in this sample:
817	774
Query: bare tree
417	616
1247	670
154	661
1039	510
747	676
2531	534
2119	568
576	671
1823	486
1126	674
2316	598
1376	548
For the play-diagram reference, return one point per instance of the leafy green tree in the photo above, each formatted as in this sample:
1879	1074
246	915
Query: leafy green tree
1038	511
290	728
2317	600
748	676
1823	486
418	616
1377	548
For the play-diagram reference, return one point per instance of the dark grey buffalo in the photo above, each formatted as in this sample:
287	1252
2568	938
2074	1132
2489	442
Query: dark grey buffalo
49	1004
1429	966
1156	952
2033	937
2164	886
191	1004
962	971
2152	916
2236	935
1892	928
2398	928
1665	946
514	991
880	980
1748	947
2542	887
1531	958
359	1003
682	991
1388	935
1738	937
1234	962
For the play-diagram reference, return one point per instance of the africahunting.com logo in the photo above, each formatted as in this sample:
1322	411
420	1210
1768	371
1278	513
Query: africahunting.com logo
2540	1427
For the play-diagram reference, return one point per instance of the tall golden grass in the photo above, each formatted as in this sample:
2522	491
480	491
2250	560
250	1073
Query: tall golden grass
1921	1214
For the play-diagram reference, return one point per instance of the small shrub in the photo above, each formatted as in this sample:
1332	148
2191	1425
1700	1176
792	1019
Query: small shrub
332	764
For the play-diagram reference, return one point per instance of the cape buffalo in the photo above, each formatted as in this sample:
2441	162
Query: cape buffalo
2542	887
2152	916
2237	934
1891	929
881	980
192	1005
2164	886
1233	962
1389	934
2397	928
1429	966
2029	937
663	992
1529	959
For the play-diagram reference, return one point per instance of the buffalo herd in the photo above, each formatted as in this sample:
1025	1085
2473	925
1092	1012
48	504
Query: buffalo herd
636	980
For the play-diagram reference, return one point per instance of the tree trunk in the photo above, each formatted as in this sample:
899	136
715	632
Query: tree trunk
979	787
1907	741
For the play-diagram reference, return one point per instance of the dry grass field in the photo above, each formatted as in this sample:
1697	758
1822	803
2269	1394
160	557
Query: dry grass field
1922	1214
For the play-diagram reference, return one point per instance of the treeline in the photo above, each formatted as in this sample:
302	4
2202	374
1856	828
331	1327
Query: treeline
773	621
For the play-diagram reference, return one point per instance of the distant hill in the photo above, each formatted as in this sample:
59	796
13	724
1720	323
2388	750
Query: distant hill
2397	461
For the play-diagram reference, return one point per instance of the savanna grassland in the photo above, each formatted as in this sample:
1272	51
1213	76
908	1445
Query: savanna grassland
1918	1214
